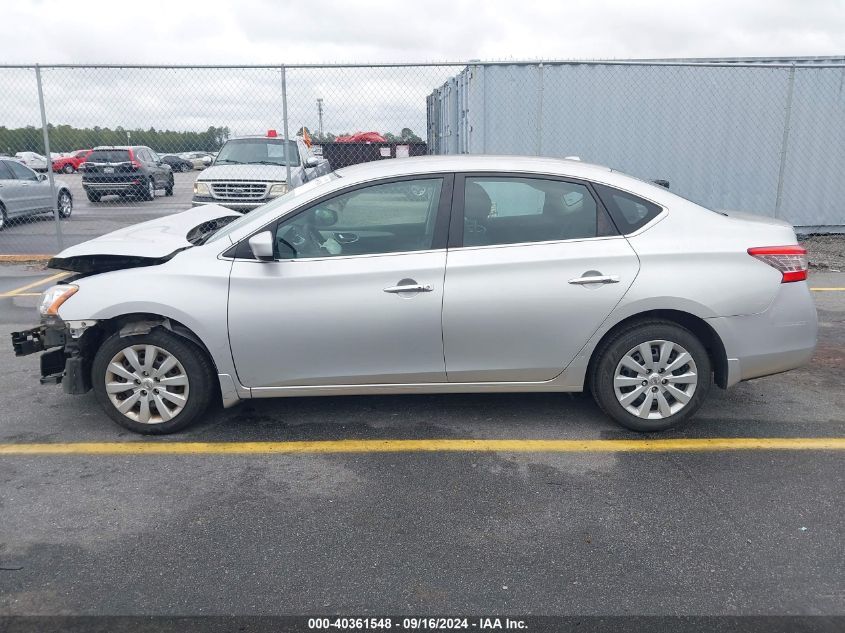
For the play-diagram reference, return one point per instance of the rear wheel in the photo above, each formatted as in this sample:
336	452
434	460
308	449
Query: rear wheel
93	196
154	383
148	191
65	204
3	218
651	376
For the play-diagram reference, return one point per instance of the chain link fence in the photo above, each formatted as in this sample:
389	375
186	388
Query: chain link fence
753	136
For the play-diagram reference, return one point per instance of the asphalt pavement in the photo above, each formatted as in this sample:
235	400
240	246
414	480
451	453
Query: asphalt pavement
37	234
418	531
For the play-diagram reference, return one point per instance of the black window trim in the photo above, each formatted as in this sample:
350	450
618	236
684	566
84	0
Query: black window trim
242	251
456	226
612	213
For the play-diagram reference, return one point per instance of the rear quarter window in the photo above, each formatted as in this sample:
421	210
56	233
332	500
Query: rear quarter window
629	212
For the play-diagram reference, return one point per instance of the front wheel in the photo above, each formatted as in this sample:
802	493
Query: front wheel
68	169
652	376
153	383
168	189
92	195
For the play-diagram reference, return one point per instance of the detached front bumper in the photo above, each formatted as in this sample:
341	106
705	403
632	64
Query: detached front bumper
64	360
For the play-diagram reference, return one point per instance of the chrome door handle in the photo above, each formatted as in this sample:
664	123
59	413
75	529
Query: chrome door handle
595	279
409	288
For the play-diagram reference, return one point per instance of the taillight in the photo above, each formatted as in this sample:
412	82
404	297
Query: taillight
135	164
791	261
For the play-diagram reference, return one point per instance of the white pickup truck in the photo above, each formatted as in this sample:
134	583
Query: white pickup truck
252	170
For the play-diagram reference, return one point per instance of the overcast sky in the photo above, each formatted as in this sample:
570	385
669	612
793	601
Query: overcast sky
264	31
267	32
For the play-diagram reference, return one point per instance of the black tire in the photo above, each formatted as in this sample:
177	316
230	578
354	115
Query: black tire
93	196
4	220
146	193
168	190
68	169
64	194
185	168
611	352
197	366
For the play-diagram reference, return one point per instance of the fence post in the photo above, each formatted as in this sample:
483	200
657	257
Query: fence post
790	88
540	109
285	124
49	158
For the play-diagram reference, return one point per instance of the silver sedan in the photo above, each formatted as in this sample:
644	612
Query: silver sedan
25	193
431	275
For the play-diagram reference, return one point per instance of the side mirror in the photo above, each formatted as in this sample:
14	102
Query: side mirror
42	177
261	245
311	162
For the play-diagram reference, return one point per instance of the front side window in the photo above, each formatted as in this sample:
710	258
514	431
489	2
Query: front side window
21	172
505	210
386	218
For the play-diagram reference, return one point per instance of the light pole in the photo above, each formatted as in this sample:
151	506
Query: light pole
320	116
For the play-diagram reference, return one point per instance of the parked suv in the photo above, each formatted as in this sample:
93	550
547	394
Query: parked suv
251	171
128	171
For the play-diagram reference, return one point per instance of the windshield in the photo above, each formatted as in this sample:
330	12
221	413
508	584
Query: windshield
109	156
257	151
269	208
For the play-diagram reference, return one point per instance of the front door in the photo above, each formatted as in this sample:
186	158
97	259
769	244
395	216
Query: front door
353	296
519	302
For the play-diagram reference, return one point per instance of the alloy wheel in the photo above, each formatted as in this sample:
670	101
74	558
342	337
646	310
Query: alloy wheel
65	205
655	379
147	384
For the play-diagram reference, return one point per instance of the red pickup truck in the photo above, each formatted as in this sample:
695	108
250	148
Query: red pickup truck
70	164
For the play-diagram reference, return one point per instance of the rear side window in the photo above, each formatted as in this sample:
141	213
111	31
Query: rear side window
514	210
5	172
628	211
109	156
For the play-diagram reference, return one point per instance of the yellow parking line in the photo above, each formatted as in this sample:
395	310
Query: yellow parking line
34	284
828	289
16	259
433	446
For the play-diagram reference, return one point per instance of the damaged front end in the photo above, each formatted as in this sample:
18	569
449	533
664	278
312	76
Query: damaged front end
67	347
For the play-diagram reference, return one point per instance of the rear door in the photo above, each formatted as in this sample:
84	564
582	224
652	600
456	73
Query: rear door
519	302
32	193
12	190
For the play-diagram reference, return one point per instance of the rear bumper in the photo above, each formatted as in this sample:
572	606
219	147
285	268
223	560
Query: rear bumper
111	186
781	338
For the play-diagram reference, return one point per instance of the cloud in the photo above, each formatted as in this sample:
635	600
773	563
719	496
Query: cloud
383	99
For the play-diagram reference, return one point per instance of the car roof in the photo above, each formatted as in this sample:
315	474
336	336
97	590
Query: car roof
119	146
464	163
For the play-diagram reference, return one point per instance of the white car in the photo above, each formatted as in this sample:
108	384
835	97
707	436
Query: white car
32	160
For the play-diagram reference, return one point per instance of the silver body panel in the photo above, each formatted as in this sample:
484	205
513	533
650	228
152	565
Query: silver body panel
27	196
500	318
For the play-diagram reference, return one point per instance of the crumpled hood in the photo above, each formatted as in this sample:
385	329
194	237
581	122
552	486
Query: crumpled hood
262	173
143	244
